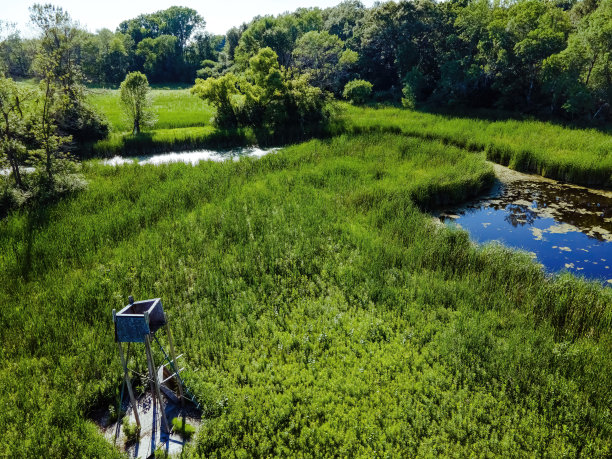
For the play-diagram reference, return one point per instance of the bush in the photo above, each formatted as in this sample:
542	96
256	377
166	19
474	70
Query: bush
357	91
409	99
82	123
10	197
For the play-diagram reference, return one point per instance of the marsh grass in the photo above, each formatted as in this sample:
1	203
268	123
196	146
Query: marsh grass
582	156
321	311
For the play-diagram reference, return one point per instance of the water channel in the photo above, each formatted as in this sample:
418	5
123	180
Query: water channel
565	227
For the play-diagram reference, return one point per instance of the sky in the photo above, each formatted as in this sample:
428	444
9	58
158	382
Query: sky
220	15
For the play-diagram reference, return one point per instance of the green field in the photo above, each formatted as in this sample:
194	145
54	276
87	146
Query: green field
320	309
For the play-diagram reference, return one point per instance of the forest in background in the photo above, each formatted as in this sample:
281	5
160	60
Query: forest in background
539	57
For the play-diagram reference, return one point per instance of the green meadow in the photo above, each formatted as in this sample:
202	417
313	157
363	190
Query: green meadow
174	108
320	308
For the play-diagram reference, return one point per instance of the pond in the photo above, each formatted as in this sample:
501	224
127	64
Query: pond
566	227
191	157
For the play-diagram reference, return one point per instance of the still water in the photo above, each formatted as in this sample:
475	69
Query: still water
190	157
566	227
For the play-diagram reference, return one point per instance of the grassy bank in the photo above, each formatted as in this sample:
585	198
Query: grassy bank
320	310
582	156
167	140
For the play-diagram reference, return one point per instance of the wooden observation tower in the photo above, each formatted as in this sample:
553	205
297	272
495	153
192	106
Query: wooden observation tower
139	322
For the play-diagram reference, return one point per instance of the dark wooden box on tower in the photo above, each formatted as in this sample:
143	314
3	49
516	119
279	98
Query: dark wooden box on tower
131	324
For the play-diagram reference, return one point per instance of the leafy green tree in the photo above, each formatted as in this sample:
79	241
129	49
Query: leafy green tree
136	101
220	92
59	48
52	103
343	19
278	34
268	96
579	78
180	22
323	57
160	59
16	54
105	57
58	65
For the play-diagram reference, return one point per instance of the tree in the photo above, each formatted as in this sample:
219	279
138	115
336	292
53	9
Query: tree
342	19
134	93
268	96
220	92
323	57
180	22
160	59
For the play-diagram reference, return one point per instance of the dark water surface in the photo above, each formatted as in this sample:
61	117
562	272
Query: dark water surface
565	227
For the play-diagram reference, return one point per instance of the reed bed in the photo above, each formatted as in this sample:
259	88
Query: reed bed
581	156
320	308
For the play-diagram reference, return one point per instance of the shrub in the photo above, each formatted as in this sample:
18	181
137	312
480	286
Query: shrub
358	91
409	99
81	122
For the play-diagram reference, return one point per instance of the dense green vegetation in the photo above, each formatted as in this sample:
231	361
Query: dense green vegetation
319	309
575	155
532	56
581	156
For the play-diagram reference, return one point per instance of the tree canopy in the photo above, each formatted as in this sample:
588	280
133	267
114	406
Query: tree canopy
540	57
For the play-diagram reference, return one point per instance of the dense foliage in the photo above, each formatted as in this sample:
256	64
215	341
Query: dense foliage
533	56
319	310
357	91
40	125
265	96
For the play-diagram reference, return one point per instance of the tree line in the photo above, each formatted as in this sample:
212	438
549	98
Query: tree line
549	57
169	46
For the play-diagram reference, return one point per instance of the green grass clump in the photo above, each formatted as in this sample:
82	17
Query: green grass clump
131	430
186	430
582	156
320	309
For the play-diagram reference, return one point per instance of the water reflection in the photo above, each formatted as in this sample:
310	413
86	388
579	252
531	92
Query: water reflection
190	157
564	226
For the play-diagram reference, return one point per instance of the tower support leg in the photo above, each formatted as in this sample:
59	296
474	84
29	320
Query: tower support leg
155	383
128	383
